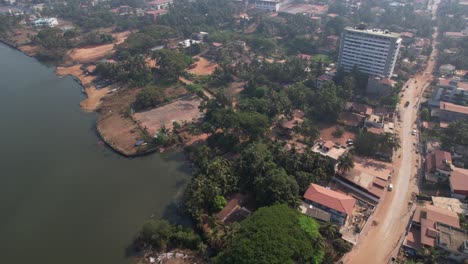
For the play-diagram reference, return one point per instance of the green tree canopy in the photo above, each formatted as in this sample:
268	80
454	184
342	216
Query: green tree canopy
276	234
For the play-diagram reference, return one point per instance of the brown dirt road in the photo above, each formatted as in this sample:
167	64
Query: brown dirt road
378	243
91	54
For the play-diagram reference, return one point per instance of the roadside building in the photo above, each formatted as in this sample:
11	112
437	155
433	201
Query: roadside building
369	178
459	183
449	90
455	35
374	120
438	166
337	205
450	112
373	51
427	228
268	5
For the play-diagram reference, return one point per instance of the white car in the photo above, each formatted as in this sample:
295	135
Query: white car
413	132
390	187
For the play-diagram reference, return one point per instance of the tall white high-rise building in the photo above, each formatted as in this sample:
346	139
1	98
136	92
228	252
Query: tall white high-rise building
373	51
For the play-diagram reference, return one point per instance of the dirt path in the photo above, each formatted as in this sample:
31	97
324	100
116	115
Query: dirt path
382	241
91	54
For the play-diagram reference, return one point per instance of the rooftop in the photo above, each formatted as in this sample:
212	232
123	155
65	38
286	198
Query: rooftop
331	199
428	217
453	108
314	212
329	149
459	180
373	31
450	204
451	239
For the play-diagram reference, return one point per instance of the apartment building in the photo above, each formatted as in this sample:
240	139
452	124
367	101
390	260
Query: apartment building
268	5
373	51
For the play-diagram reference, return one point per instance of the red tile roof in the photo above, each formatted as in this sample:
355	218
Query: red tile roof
331	199
428	217
442	158
453	108
459	181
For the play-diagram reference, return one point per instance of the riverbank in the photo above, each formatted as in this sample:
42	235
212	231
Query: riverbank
73	185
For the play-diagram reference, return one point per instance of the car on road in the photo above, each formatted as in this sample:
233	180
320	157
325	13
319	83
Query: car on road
413	132
407	103
390	187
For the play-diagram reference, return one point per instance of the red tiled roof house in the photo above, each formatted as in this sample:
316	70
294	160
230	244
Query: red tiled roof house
459	183
338	205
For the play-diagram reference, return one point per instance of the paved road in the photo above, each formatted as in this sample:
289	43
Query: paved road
383	236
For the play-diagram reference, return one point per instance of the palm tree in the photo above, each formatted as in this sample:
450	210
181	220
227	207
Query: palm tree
430	255
345	163
328	230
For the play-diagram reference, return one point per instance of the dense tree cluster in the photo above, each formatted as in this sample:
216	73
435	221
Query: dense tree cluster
132	69
161	235
54	45
276	234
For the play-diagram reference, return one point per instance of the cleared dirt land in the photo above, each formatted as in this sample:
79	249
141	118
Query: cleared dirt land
326	133
92	102
91	54
115	127
180	110
204	67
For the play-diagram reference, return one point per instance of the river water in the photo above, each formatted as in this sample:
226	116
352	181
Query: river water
64	196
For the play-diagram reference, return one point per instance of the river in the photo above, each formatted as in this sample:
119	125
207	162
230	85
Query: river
64	196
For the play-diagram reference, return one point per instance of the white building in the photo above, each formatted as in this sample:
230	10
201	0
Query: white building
268	5
373	51
159	4
46	22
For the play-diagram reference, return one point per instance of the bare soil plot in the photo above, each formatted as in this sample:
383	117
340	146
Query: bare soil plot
326	133
115	126
180	110
90	54
204	67
119	132
29	50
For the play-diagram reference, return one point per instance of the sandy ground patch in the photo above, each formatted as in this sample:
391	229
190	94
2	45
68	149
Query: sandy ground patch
204	67
326	133
92	102
180	110
90	54
115	127
119	132
29	49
